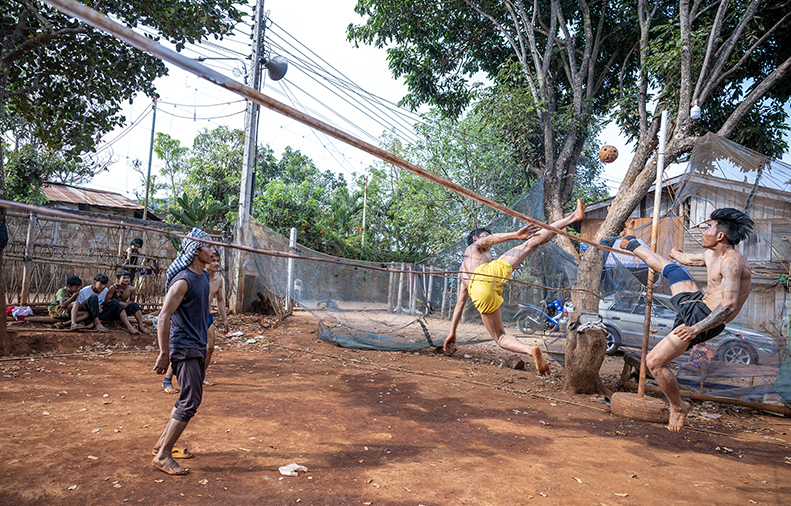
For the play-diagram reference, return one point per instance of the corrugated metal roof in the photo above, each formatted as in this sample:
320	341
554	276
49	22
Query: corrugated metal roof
56	192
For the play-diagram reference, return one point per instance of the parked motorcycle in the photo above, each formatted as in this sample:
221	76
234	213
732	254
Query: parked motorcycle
530	319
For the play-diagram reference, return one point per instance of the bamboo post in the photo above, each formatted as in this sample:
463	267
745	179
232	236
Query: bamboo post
121	237
398	308
390	284
27	266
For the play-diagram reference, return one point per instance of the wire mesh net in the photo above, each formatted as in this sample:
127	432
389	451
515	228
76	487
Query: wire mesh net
404	306
409	306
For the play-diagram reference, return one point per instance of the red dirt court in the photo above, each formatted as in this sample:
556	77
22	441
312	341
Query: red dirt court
373	428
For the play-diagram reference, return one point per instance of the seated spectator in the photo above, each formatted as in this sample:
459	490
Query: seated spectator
131	257
59	308
126	295
91	303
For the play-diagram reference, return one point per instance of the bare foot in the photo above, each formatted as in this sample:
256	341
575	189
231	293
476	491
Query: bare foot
169	466
134	331
143	329
75	326
628	234
579	212
208	383
541	364
678	417
170	389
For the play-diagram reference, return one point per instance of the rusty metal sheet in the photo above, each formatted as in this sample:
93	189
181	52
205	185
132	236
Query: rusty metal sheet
76	195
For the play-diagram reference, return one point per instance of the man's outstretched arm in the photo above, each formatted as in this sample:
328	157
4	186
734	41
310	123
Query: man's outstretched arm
691	259
522	234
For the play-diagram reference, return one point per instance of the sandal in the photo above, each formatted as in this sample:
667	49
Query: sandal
178	453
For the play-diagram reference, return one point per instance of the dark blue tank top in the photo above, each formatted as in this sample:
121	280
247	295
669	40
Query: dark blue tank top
189	323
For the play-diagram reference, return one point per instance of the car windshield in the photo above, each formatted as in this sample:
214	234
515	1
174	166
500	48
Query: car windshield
660	310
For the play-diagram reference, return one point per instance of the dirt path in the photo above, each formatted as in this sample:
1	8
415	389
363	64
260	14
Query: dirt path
373	428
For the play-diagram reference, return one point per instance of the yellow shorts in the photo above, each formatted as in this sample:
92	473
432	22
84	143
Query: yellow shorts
486	291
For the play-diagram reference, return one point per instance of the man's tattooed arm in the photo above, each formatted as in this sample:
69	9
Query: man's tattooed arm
718	316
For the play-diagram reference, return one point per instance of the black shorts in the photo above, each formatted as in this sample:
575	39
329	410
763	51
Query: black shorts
691	310
189	366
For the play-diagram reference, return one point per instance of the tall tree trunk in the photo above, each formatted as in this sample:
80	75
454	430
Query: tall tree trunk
585	350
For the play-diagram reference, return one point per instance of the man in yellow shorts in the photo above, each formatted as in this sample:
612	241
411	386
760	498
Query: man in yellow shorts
482	279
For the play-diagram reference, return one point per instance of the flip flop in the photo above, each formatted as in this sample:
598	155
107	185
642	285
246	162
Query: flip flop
178	453
100	329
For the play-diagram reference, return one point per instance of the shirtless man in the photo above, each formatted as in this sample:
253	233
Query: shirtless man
700	317
127	295
485	285
215	292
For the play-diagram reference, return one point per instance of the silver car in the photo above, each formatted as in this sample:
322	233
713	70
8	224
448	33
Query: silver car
624	316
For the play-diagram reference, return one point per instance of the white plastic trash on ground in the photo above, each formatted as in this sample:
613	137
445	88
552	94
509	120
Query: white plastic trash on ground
291	469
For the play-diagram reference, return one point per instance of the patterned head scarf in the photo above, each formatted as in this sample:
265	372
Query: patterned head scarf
188	249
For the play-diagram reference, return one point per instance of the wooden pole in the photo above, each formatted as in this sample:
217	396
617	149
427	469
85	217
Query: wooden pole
27	266
413	292
649	296
292	247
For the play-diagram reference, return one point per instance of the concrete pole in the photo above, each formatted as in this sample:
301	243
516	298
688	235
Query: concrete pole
249	156
292	248
150	158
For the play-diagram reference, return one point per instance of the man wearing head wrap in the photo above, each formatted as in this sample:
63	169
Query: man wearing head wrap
182	334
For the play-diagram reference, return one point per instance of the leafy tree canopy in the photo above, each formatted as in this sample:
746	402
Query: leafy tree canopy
44	51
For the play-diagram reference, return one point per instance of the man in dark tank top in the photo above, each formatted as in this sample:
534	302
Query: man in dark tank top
182	330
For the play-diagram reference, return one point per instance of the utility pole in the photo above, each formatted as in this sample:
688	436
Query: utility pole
249	157
150	158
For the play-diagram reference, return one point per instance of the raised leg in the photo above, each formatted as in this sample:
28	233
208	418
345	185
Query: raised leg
654	261
515	256
167	382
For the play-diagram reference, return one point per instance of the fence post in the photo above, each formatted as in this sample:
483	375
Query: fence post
390	284
292	248
444	295
398	308
430	287
27	266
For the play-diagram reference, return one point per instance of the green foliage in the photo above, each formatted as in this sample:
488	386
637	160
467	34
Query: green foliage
198	212
69	79
27	167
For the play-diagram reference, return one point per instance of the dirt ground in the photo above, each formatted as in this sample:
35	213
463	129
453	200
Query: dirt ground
80	416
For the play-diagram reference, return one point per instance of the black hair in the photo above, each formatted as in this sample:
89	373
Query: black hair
476	233
736	225
123	273
137	240
73	281
101	278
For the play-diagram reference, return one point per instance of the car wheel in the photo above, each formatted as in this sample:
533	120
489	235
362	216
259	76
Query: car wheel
735	352
613	340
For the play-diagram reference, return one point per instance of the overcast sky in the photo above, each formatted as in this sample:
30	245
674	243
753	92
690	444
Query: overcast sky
189	104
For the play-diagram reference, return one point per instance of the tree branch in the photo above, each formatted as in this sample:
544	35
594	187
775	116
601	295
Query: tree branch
754	96
726	48
38	42
713	36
